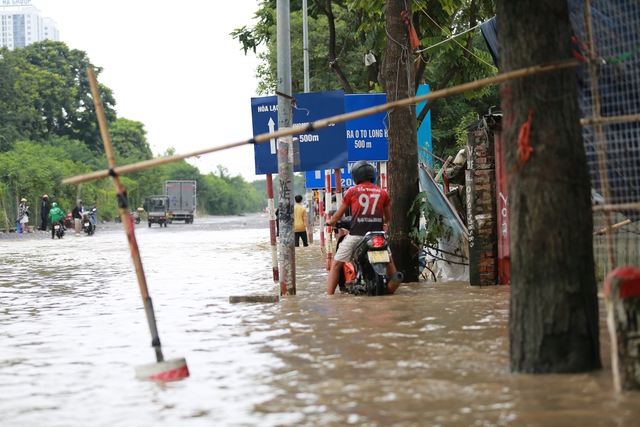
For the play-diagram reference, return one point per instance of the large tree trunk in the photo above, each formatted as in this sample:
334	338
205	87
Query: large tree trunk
553	316
397	80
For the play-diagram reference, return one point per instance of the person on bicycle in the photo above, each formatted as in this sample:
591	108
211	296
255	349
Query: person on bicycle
370	210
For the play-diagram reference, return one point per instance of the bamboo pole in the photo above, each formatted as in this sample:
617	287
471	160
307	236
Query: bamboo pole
126	217
442	169
618	207
431	154
613	227
323	123
610	120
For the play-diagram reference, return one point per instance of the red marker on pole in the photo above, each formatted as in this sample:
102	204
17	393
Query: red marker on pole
272	228
327	198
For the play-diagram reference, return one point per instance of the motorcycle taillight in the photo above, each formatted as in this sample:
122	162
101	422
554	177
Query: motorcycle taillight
377	242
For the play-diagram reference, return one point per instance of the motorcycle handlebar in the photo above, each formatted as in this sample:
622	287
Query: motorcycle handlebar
344	223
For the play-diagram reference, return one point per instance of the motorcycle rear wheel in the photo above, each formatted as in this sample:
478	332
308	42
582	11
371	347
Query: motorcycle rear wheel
376	285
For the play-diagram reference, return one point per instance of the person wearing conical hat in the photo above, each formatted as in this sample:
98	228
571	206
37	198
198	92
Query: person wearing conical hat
23	216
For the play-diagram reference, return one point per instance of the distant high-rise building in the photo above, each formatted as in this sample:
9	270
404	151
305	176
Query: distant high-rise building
22	24
50	29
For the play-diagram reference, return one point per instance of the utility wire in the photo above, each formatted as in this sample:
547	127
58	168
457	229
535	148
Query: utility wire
447	40
453	38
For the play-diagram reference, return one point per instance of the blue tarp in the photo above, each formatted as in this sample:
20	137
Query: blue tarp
457	243
441	205
490	33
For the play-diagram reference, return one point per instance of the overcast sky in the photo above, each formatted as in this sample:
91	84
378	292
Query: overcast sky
173	67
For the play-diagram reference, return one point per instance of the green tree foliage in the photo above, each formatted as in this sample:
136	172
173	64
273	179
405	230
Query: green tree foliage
49	131
451	115
225	195
31	170
19	119
77	151
261	187
321	75
65	99
253	37
128	139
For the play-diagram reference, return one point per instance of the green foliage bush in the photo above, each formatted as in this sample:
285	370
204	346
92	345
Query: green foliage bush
48	131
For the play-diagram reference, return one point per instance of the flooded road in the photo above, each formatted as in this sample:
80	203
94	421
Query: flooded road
72	329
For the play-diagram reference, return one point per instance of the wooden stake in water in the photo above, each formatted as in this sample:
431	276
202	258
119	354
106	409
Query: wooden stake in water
622	290
162	370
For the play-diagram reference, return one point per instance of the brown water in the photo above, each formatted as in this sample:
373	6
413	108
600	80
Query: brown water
434	354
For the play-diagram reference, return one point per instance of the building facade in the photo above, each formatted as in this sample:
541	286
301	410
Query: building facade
22	24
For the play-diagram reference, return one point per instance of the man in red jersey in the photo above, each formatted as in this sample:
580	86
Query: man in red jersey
370	210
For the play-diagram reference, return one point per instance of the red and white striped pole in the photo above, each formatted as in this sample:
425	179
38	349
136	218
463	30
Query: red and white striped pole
383	175
327	201
321	218
272	228
338	175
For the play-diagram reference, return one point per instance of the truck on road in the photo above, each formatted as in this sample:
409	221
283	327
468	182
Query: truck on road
182	200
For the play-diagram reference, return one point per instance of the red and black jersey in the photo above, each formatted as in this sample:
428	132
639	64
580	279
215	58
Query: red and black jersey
367	202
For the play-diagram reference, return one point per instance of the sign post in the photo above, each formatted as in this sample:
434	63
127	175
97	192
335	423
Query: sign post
285	170
321	149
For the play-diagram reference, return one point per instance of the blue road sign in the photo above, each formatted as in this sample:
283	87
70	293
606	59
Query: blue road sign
314	180
322	149
367	136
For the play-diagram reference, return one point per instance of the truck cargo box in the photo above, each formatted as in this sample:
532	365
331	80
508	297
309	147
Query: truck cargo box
182	200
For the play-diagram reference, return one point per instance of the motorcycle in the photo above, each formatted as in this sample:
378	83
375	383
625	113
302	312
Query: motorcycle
87	221
366	273
135	215
68	220
58	228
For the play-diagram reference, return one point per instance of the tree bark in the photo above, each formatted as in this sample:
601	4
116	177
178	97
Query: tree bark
553	315
398	82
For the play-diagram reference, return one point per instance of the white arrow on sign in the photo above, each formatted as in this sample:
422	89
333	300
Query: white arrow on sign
272	127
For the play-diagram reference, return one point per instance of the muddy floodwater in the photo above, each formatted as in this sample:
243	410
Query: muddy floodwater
72	331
